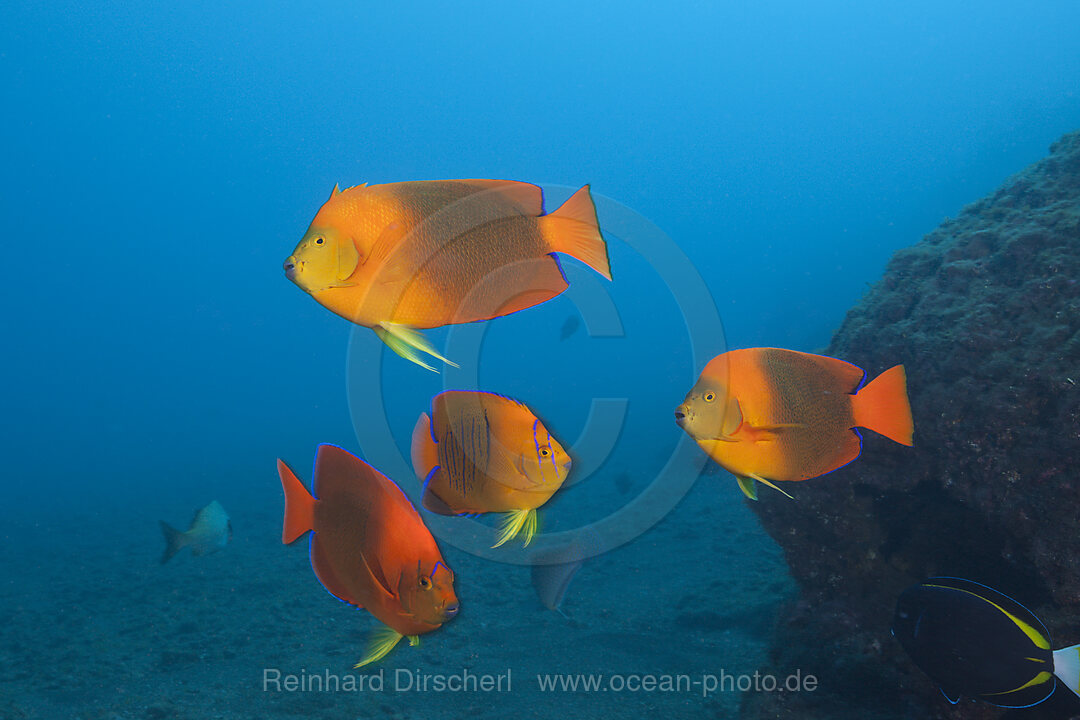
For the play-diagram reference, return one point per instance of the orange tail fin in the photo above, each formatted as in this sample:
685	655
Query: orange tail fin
573	229
882	406
425	454
299	505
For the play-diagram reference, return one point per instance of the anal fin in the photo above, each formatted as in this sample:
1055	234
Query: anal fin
953	698
324	573
436	504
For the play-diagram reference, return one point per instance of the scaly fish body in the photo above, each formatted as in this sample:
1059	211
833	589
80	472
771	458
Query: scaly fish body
480	452
370	548
976	642
210	530
768	414
426	254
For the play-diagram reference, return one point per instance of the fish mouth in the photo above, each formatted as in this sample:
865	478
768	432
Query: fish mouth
682	416
450	611
291	268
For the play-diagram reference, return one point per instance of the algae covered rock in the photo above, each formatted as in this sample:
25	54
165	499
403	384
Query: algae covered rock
984	313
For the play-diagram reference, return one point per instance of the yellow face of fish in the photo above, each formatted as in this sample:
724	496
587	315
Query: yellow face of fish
543	460
429	597
325	258
708	412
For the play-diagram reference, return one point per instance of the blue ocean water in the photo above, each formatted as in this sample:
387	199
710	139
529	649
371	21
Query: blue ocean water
161	161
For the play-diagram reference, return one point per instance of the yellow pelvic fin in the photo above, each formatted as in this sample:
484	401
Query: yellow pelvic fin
517	522
749	489
746	484
409	344
382	642
770	484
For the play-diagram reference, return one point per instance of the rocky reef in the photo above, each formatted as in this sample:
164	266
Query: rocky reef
984	313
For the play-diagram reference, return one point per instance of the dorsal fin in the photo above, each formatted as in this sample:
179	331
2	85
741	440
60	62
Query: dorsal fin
337	190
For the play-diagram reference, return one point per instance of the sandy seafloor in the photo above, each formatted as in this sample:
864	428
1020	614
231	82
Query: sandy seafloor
98	629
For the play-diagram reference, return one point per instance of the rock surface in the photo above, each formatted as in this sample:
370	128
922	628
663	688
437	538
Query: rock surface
984	313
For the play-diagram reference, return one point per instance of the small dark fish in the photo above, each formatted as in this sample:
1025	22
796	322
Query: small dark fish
569	327
973	641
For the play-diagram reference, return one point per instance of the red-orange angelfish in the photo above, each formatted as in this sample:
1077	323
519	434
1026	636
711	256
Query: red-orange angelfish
369	547
480	452
768	415
411	255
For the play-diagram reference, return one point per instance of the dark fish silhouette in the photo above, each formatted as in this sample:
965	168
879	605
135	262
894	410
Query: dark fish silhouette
569	327
973	641
555	568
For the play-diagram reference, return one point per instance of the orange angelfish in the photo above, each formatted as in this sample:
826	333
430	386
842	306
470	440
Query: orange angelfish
411	255
769	415
480	452
369	547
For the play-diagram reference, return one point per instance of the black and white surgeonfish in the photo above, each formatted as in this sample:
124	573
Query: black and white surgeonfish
975	642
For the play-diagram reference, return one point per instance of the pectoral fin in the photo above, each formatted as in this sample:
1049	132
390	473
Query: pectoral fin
732	421
408	343
436	504
733	418
379	578
348	259
392	266
768	433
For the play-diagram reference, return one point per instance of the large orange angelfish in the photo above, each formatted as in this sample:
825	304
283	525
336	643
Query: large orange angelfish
369	547
411	255
767	415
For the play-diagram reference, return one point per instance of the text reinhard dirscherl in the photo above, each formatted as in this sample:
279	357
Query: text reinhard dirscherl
401	680
406	680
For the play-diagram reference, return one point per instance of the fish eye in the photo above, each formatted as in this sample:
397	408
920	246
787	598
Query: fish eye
544	452
710	396
425	582
319	240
